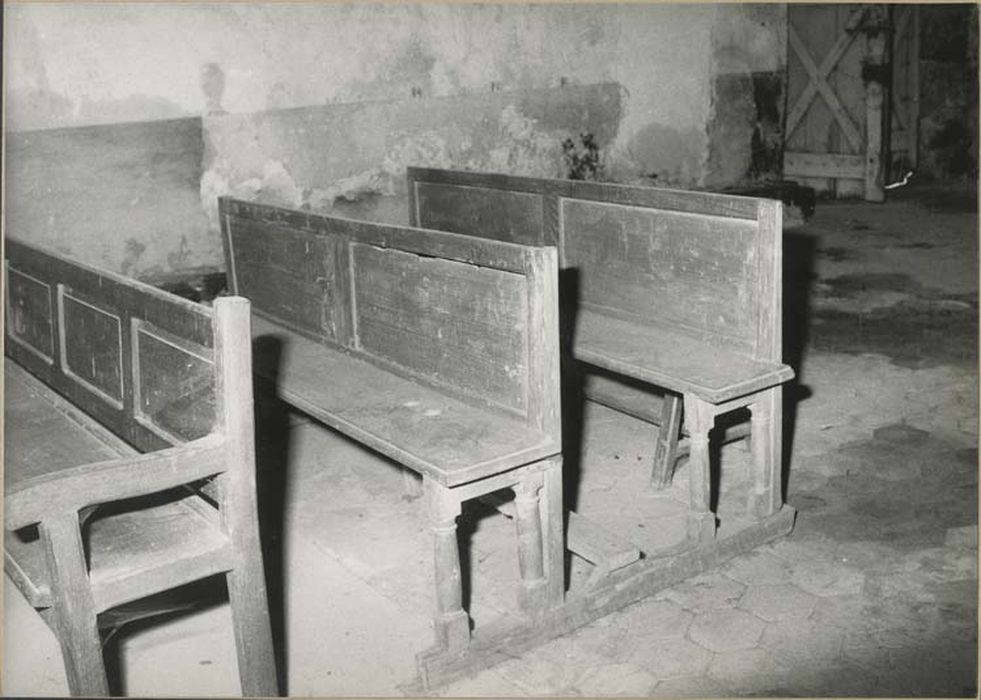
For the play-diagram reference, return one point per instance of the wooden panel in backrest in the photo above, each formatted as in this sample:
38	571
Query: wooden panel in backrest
487	212
453	311
137	359
708	264
446	320
291	275
690	272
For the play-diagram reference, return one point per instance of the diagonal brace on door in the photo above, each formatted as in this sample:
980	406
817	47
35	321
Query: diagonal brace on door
818	80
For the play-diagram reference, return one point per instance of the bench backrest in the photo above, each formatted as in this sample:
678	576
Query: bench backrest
708	265
477	318
145	364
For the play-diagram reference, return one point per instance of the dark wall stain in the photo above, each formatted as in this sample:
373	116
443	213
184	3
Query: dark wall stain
948	91
767	144
746	129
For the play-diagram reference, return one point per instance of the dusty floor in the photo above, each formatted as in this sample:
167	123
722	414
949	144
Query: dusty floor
874	592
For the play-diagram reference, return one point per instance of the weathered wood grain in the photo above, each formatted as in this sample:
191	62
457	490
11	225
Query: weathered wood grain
704	263
436	433
497	254
455	323
679	363
291	275
769	331
451	311
653	197
675	270
237	500
667	441
74	613
490	213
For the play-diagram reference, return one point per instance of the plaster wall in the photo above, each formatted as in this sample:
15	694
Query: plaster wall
133	63
749	88
249	66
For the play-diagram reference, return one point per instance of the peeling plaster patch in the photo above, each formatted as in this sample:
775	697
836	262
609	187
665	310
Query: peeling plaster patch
429	149
349	189
278	187
275	186
525	149
214	184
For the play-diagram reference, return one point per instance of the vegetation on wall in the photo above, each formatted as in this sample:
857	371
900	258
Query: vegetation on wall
582	160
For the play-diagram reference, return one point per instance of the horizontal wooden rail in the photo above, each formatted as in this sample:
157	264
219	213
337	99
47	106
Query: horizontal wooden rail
70	490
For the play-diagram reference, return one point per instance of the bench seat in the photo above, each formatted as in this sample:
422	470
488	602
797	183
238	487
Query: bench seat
448	440
135	545
667	358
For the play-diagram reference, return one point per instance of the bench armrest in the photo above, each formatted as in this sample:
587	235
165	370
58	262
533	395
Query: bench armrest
72	489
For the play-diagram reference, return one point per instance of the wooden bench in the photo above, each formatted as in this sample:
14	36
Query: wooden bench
679	290
437	350
118	398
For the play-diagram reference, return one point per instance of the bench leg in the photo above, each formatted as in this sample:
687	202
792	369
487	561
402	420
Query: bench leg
74	614
253	632
452	623
767	445
553	526
666	447
699	417
531	555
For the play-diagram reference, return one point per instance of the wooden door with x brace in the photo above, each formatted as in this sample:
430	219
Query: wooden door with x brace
836	86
